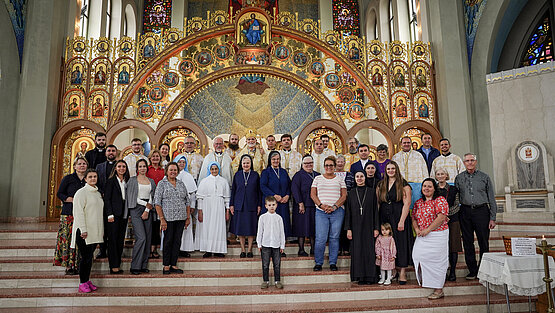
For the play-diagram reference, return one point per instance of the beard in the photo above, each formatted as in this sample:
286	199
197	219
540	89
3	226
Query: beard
352	150
233	146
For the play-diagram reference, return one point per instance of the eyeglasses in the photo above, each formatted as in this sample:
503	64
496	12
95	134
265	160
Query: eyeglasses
329	165
307	163
189	143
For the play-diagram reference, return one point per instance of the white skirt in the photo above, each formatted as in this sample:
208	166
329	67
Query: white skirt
430	257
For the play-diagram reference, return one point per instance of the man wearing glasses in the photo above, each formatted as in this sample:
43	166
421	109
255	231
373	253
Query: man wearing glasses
478	210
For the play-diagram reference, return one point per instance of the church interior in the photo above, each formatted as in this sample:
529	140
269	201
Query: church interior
478	72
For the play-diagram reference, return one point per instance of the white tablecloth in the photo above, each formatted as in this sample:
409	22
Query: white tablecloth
522	274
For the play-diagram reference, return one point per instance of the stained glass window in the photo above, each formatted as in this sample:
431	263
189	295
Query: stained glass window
346	17
157	15
540	45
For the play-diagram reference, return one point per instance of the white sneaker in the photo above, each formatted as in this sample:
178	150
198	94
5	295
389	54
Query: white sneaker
382	280
387	282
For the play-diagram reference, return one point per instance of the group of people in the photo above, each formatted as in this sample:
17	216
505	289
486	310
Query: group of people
370	209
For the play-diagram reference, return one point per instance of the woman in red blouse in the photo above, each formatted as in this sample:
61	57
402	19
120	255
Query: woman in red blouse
429	220
156	173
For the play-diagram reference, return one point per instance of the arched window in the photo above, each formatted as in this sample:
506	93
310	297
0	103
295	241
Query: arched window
84	18
371	25
539	48
346	17
413	24
130	23
108	18
391	22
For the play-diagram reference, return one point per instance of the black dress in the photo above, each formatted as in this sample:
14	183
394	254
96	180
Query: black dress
362	225
390	212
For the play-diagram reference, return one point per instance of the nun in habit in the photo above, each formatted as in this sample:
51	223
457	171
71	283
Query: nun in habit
184	176
213	200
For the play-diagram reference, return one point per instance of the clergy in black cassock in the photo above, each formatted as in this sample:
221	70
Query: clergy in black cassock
362	225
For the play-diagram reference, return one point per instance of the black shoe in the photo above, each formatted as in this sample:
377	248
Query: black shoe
346	253
243	255
402	282
317	268
145	270
72	271
311	252
333	267
166	272
219	255
207	255
135	272
451	276
176	270
101	256
362	282
250	255
184	254
120	271
302	253
283	254
471	276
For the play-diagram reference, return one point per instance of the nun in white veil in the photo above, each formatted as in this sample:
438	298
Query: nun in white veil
187	245
213	200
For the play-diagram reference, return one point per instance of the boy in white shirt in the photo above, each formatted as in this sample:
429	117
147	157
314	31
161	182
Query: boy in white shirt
271	242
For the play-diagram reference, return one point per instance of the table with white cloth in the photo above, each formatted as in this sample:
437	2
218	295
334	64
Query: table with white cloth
520	275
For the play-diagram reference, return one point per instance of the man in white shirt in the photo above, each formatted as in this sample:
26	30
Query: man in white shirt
412	166
135	155
290	159
217	155
319	155
194	160
452	163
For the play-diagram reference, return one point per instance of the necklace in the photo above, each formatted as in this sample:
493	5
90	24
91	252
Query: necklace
310	174
276	172
246	177
363	198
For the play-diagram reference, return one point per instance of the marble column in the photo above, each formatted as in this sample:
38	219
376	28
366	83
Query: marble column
38	106
325	15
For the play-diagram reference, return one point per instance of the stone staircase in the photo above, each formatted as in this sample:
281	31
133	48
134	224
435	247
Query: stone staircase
29	282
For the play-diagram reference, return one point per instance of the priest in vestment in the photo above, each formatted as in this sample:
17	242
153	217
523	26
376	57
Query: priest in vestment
319	155
412	166
213	196
352	155
233	146
452	163
290	159
217	155
194	160
256	153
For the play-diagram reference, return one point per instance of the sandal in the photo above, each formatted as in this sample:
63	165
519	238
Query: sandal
154	255
435	296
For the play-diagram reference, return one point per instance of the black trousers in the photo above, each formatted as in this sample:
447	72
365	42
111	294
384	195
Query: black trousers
86	252
268	253
115	232
155	240
172	242
474	220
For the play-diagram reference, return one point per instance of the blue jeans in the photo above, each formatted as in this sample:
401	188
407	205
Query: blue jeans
328	226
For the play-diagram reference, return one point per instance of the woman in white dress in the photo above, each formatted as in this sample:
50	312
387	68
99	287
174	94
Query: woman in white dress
187	245
213	200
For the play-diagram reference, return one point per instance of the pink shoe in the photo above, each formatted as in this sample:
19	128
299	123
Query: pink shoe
84	288
91	286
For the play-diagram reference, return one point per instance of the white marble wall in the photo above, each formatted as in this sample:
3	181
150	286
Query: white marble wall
522	106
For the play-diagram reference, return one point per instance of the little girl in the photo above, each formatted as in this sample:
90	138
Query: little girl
385	253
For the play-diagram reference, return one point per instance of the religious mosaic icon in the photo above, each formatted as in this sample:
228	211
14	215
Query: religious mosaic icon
377	77
331	40
154	78
252	57
401	107
399	77
423	110
222	52
356	111
204	58
102	47
76	76
308	28
397	50
197	27
420	77
171	79
253	29
79	46
284	21
74	107
97	109
100	76
186	67
123	76
219	20
173	37
346	95
317	68
419	51
157	93
145	111
332	80
375	49
148	50
282	52
300	59
354	53
125	47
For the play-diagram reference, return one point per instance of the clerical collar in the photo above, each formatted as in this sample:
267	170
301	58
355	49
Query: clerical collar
111	162
447	154
190	152
218	153
286	151
99	150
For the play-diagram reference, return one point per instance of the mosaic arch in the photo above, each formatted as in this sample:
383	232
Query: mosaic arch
253	69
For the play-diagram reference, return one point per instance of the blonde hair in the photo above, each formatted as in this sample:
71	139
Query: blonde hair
443	170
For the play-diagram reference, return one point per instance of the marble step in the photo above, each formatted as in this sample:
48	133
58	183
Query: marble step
250	277
470	303
176	295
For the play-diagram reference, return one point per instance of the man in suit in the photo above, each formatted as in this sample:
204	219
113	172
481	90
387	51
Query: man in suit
428	152
105	168
103	171
97	155
364	154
